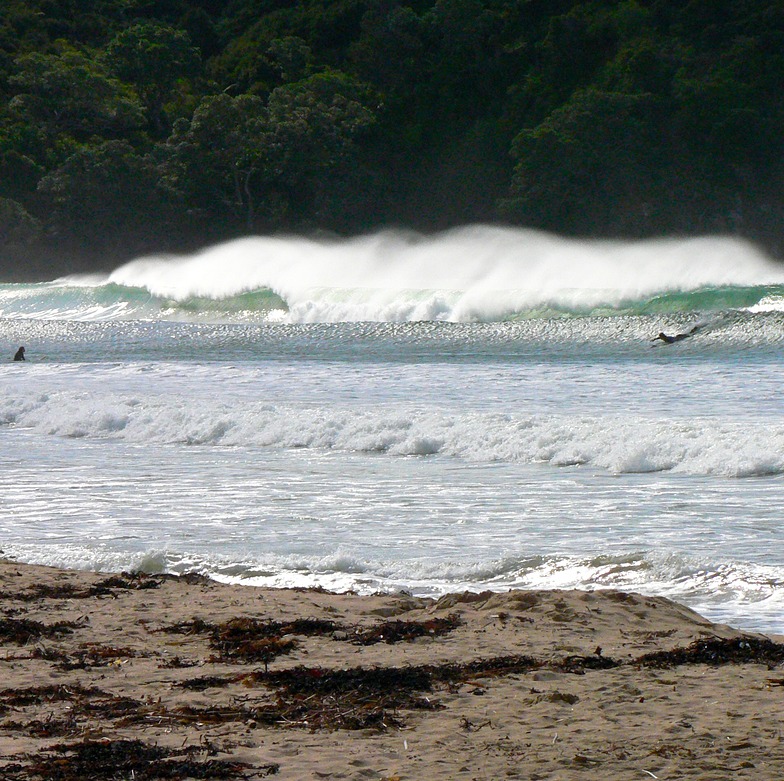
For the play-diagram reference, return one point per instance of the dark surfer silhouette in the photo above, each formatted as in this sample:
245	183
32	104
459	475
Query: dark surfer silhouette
20	355
676	337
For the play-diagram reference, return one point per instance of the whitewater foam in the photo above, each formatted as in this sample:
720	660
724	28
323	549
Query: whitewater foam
474	273
718	590
621	444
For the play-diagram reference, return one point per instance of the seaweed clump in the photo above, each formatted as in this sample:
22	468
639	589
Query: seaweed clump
250	640
103	588
247	640
125	581
40	695
718	651
367	698
100	760
22	630
397	631
350	699
579	664
94	655
85	704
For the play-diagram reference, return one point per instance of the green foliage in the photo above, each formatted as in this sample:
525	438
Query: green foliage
18	228
127	124
291	56
153	57
596	160
247	164
328	27
314	127
70	95
111	192
213	158
18	173
396	37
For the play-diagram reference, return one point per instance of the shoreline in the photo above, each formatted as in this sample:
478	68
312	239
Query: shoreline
159	676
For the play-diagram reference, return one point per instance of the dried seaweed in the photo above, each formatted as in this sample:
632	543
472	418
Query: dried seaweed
85	703
242	638
110	707
309	627
38	695
195	626
352	699
259	628
47	591
184	715
374	681
250	640
332	714
49	728
86	656
380	681
396	631
718	651
176	663
106	587
94	655
239	630
22	630
129	581
48	654
304	697
207	682
120	759
249	650
366	698
579	664
494	667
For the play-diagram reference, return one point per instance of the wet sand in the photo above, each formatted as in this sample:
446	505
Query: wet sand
147	677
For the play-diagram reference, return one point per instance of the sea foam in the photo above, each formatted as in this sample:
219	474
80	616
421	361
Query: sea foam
472	273
621	444
721	591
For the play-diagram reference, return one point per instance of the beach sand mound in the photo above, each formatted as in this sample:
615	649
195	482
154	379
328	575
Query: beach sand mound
150	677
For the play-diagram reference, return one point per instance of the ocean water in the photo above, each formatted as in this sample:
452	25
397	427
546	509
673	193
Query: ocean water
481	409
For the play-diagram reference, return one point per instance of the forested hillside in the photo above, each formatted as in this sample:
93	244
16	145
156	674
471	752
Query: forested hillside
129	126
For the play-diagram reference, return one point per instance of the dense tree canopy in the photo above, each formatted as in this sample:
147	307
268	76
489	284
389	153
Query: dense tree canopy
129	126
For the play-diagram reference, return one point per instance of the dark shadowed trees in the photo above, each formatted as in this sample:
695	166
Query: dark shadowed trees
154	58
69	97
112	194
213	160
198	120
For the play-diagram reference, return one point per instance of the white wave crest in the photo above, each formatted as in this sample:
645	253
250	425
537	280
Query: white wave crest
619	444
472	273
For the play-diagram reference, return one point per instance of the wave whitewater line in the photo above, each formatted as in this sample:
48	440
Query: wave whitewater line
718	589
623	444
472	274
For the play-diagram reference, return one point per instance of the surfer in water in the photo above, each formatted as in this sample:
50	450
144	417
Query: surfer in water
677	337
19	356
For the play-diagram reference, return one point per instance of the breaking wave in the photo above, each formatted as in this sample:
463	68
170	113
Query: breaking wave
622	444
472	274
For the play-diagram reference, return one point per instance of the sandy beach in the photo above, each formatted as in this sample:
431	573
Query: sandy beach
157	677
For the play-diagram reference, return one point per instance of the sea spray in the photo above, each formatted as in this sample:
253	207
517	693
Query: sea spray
474	273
